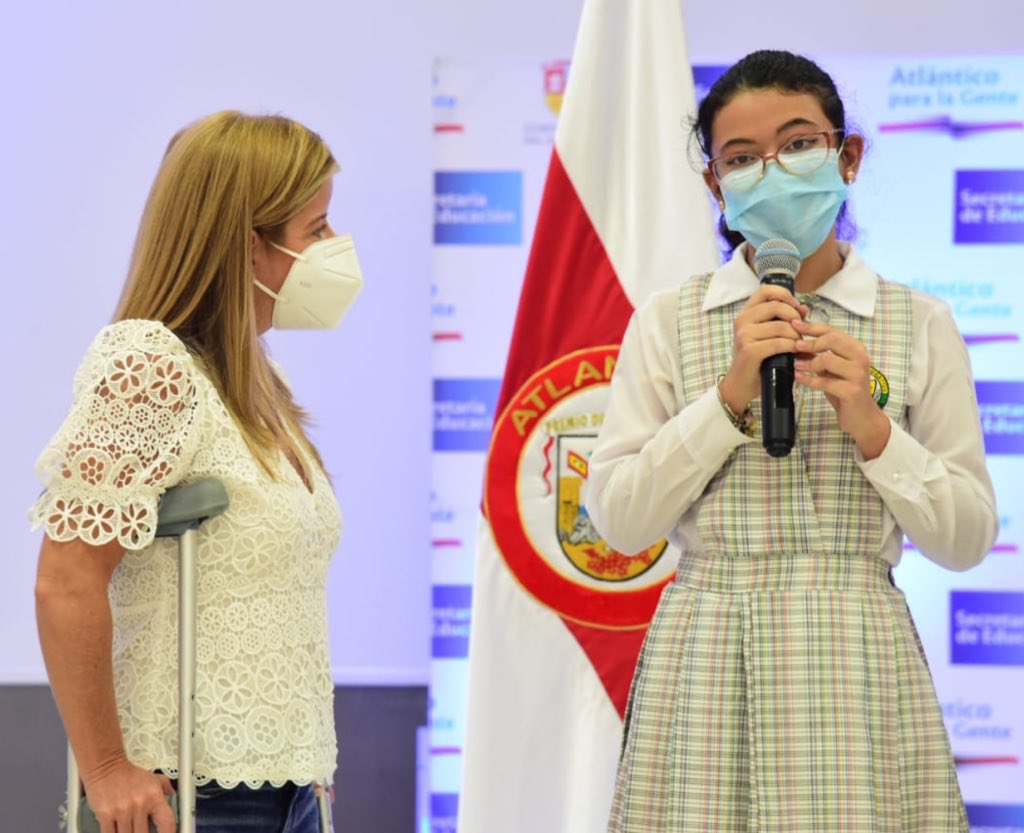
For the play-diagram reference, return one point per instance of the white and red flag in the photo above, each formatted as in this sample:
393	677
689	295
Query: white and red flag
558	616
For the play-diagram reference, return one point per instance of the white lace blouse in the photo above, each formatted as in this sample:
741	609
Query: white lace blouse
144	418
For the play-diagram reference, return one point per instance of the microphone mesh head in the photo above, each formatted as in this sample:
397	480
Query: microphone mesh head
775	256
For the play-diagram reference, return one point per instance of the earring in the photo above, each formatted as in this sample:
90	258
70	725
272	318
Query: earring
850	177
721	204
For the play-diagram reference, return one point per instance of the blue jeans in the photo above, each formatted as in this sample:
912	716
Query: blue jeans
267	809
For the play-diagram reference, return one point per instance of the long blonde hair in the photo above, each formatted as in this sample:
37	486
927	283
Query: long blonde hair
222	178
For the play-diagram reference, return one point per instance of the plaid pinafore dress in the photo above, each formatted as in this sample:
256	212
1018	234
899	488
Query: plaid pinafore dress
782	686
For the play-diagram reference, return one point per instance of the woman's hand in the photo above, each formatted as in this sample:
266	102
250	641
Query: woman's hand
837	364
124	798
763	328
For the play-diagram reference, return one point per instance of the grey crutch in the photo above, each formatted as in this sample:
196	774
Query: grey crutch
182	511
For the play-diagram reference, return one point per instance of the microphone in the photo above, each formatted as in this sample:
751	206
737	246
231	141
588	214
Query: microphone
777	262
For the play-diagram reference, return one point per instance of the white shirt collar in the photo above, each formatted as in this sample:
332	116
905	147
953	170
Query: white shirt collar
854	286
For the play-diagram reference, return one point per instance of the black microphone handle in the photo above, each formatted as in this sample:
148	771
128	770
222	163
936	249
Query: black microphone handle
778	415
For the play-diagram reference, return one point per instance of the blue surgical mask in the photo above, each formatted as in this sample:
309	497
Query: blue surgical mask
799	208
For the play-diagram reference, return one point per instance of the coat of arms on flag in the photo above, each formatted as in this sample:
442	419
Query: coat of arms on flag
535	475
578	538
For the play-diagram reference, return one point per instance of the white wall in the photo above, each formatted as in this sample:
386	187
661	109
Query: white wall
724	31
90	94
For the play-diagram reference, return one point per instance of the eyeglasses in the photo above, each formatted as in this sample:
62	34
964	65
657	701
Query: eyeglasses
800	156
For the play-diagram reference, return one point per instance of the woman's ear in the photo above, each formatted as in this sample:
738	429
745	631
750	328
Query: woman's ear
259	253
713	187
850	158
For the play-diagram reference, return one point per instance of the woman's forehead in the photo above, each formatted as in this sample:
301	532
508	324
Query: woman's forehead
759	115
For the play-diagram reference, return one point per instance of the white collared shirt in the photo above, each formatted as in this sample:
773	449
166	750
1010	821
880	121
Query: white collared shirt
656	451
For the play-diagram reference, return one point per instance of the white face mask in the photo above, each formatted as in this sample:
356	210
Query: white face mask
319	288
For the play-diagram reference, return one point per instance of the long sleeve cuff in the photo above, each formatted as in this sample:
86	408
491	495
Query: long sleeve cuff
707	432
902	469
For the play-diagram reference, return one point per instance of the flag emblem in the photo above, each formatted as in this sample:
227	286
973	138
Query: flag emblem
533	494
556	74
578	539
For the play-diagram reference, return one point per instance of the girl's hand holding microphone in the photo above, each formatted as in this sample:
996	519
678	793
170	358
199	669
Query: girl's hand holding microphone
766	326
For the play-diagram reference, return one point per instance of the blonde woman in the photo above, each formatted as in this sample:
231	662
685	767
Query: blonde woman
234	239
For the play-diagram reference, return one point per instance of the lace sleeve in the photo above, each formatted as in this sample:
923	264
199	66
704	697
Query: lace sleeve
129	436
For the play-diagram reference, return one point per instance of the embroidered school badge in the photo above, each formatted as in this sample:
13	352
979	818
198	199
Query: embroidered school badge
879	387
